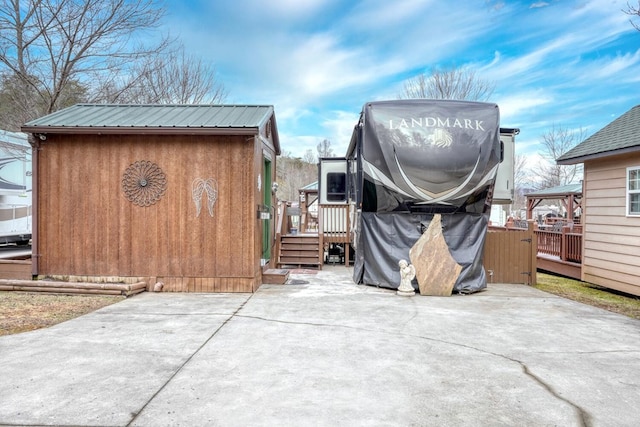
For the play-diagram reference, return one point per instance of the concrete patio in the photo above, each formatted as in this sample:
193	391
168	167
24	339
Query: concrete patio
326	352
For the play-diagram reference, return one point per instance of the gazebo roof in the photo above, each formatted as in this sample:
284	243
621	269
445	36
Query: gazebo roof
556	192
570	197
310	187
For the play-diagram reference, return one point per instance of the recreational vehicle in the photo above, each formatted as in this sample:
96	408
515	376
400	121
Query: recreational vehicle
407	161
15	188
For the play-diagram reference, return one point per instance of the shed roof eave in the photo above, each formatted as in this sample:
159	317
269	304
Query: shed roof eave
596	156
159	130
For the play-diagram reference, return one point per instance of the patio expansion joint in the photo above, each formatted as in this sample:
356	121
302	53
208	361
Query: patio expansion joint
188	359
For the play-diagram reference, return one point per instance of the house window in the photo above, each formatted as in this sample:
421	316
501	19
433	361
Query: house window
633	191
336	187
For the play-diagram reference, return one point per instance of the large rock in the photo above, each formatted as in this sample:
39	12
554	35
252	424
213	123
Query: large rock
436	270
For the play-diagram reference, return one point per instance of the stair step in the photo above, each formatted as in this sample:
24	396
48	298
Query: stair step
275	276
296	252
287	239
312	246
298	261
299	250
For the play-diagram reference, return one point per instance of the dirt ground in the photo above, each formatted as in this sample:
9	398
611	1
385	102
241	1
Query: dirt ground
24	311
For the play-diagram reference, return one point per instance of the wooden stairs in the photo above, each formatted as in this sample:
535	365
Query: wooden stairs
300	250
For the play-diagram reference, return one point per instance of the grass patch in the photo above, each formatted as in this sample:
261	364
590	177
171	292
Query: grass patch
24	311
590	294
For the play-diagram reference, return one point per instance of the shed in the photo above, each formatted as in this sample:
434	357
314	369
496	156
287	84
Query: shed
611	203
178	194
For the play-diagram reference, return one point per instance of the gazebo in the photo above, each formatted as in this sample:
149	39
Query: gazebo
570	196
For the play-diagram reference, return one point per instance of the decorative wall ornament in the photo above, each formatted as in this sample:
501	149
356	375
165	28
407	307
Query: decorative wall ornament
144	183
201	186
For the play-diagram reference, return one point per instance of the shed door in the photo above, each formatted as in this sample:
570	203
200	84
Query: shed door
266	224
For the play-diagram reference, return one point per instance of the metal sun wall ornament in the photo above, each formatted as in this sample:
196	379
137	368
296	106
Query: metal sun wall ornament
144	183
201	186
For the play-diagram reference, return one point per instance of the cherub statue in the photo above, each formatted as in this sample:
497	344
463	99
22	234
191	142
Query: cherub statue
407	273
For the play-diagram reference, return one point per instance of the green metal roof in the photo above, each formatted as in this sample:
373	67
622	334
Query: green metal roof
562	190
620	136
156	115
158	119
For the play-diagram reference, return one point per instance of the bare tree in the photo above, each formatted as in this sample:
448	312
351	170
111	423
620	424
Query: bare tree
556	142
451	83
634	13
173	78
50	45
324	149
293	174
309	157
521	182
17	101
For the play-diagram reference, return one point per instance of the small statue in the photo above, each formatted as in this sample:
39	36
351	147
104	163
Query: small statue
407	273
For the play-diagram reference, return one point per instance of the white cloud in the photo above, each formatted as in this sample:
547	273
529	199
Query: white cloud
572	63
614	67
339	126
514	106
538	4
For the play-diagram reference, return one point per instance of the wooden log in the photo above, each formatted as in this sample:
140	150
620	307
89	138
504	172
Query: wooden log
67	290
73	287
76	285
138	285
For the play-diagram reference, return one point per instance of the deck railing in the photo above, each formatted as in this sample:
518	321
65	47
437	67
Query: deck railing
334	223
564	244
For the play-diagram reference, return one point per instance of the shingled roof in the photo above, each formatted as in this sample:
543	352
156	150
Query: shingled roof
620	136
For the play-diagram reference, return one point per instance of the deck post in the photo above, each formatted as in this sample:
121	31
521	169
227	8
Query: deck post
320	236
533	263
563	243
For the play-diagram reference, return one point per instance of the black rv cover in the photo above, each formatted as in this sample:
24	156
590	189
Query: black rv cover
417	158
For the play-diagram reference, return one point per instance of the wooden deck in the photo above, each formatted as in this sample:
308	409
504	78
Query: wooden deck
559	246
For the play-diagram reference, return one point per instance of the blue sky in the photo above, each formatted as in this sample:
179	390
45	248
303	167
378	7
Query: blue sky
574	63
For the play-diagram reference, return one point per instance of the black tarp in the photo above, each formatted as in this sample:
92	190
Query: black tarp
418	158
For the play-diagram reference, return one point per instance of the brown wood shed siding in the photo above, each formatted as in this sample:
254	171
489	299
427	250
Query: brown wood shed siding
87	227
611	255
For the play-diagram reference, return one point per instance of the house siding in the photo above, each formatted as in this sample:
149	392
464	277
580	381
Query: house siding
611	239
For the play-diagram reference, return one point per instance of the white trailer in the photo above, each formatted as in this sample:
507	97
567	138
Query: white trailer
407	161
15	188
503	191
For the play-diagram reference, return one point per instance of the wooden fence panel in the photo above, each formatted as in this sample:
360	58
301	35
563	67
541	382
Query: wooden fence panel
15	269
510	256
